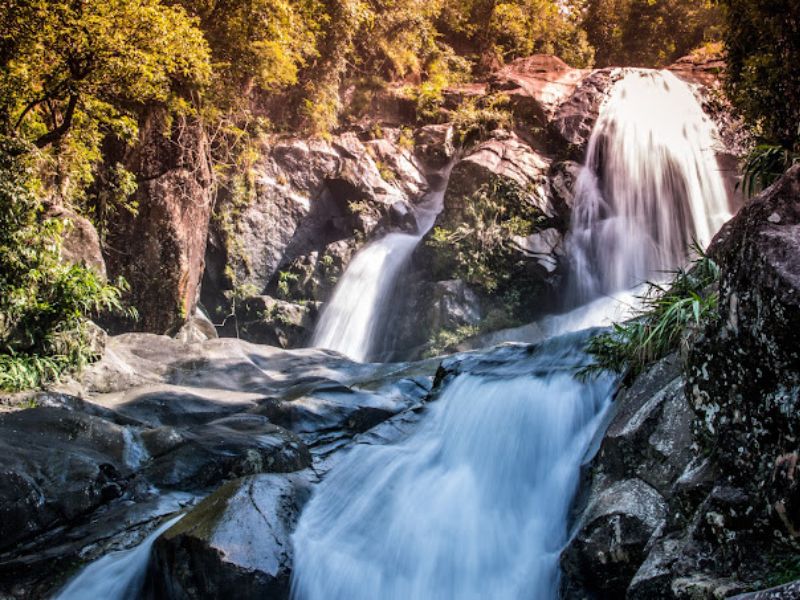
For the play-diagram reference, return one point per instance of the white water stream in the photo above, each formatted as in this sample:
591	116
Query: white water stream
351	319
651	186
115	576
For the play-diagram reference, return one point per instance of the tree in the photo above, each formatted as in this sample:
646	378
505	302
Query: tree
74	70
763	67
649	33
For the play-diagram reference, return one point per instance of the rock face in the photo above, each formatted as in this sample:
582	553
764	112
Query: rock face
160	250
748	401
712	437
81	243
308	205
236	540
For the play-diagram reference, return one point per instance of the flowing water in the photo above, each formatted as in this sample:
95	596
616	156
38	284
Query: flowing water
474	504
651	186
352	319
115	576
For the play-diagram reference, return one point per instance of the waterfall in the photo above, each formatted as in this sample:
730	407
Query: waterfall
115	576
650	186
472	505
352	318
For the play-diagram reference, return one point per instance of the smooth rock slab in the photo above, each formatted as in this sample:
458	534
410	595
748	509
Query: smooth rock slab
237	541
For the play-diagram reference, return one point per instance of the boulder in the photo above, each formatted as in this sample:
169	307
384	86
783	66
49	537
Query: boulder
747	401
613	534
237	539
160	249
536	86
234	446
266	320
573	121
81	243
57	465
507	158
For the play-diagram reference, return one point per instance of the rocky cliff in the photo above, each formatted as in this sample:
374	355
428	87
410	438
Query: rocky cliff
693	493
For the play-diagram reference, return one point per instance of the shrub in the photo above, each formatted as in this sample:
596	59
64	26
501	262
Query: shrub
764	165
668	315
476	119
45	304
476	246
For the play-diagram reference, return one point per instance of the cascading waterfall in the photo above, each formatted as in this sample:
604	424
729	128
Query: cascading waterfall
474	504
351	319
650	186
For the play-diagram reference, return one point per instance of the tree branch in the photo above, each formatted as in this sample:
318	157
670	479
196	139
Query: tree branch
60	131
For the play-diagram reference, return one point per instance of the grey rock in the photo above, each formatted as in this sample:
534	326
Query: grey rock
237	539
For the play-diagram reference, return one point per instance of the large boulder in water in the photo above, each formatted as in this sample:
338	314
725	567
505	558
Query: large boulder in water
236	540
744	370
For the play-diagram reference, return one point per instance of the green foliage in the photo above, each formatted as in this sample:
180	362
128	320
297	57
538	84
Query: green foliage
514	28
476	119
764	165
668	315
44	303
763	67
649	33
71	72
285	281
476	247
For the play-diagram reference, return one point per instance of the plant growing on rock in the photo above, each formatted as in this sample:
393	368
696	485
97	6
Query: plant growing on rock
476	247
45	304
476	119
668	316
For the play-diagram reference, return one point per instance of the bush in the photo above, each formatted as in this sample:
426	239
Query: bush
476	246
669	314
45	304
764	165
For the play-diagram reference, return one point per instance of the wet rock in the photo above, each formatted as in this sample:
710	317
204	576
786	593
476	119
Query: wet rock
612	537
236	539
57	465
790	591
232	447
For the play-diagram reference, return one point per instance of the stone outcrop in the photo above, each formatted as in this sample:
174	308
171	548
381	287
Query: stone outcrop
292	229
713	435
159	423
160	249
235	541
